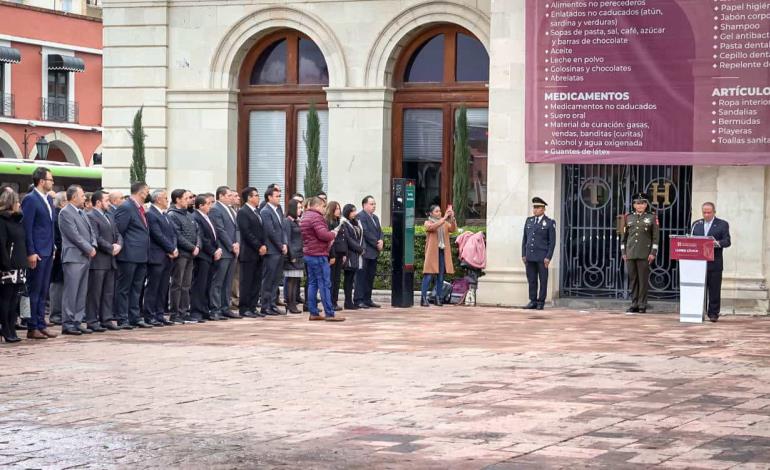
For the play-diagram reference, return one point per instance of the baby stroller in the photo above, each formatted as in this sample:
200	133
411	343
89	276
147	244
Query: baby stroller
473	257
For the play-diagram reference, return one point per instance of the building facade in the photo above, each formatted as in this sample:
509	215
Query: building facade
50	83
226	86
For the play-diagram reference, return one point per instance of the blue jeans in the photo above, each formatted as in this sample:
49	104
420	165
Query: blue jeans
427	278
319	278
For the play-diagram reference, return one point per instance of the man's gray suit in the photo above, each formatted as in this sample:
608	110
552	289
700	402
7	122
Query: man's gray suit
101	276
223	219
78	242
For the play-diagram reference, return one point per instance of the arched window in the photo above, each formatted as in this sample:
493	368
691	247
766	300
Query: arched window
280	78
439	71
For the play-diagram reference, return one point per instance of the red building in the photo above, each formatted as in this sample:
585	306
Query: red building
50	83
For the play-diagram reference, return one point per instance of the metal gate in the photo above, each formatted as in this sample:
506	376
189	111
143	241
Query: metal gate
594	197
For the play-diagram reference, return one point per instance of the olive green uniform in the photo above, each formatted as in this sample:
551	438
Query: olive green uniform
640	239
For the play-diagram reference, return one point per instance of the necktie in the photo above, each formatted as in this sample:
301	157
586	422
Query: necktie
142	214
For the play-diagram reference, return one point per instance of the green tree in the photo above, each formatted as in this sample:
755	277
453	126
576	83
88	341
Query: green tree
462	155
138	163
313	179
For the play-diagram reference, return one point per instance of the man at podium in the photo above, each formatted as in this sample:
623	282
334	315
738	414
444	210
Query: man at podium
719	230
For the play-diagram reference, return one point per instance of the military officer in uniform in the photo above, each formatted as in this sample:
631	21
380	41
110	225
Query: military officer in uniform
639	246
537	247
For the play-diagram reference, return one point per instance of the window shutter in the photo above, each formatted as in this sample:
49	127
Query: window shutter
323	154
423	134
267	149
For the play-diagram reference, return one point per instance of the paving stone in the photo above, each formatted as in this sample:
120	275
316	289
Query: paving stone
447	388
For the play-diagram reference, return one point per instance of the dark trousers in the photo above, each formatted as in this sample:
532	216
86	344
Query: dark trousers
181	282
101	296
128	291
350	279
271	277
9	300
336	274
638	281
39	281
250	280
365	281
158	278
714	288
537	273
291	291
221	284
199	292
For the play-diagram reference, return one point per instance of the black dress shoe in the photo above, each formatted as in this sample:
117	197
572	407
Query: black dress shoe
362	306
540	306
531	306
125	326
168	323
642	310
246	315
713	318
424	302
110	326
71	331
142	324
269	313
97	329
372	305
231	315
154	323
632	310
277	311
85	331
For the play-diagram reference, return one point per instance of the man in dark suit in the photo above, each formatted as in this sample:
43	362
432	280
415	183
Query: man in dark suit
37	208
209	255
223	218
78	248
101	277
719	229
537	245
57	276
373	244
131	221
163	251
188	243
253	249
275	240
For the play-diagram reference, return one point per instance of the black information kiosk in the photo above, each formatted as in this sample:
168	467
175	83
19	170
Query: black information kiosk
402	242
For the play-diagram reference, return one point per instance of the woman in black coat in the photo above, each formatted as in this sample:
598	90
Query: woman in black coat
294	263
353	235
13	262
337	251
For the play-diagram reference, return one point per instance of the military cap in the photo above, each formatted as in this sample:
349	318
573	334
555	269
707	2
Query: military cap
536	201
641	197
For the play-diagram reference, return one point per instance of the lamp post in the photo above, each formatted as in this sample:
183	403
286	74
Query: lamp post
42	145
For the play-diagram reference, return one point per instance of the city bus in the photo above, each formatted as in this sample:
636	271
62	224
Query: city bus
17	174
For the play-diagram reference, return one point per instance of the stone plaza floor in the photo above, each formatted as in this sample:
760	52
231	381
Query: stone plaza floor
455	387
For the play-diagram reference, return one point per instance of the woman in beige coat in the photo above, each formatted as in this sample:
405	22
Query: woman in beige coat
438	251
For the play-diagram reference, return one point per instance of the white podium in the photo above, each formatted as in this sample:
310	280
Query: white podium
693	254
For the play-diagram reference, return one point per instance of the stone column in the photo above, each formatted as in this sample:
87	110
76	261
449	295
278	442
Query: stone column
509	176
135	75
202	139
740	194
359	146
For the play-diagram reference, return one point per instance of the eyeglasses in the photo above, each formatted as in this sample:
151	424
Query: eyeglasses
48	179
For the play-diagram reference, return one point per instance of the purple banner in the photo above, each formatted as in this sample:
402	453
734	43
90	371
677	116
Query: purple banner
676	82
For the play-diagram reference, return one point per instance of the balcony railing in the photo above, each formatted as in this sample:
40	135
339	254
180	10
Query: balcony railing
58	110
94	3
6	105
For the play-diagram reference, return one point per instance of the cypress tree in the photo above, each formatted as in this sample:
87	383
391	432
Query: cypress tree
312	138
138	163
462	153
